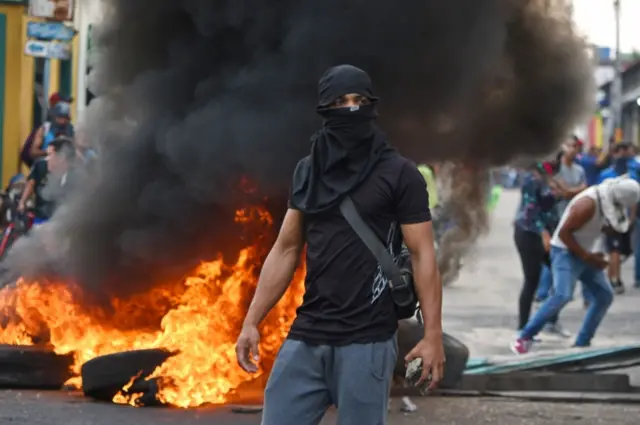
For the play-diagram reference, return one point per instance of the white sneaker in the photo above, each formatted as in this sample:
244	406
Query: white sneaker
557	330
408	406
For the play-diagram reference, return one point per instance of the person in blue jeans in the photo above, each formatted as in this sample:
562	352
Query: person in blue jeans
545	284
532	235
576	254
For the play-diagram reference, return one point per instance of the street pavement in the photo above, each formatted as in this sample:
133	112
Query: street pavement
58	408
480	309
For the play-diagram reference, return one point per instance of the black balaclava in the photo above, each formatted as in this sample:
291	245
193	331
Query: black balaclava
347	147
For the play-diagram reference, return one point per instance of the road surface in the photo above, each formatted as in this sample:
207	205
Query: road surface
480	309
34	408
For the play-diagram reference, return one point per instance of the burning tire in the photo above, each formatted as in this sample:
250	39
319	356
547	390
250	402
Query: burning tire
104	376
457	354
33	367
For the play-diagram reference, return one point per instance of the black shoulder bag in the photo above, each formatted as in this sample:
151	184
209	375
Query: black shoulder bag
400	276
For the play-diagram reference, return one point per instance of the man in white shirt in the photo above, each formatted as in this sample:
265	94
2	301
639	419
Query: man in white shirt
576	253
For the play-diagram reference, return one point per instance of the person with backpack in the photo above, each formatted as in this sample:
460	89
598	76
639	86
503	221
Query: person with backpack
25	152
59	125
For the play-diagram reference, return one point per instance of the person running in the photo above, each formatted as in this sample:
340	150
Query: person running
341	349
576	253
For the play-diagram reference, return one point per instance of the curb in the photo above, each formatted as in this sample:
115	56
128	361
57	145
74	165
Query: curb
538	382
551	396
547	381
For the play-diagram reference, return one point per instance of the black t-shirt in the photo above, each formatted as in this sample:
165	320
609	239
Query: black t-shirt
39	174
347	297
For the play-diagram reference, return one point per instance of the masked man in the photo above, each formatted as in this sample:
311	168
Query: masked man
341	349
576	253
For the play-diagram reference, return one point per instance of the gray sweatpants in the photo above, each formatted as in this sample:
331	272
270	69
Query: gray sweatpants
307	379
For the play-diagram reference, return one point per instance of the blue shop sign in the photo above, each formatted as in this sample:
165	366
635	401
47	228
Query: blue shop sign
48	50
38	49
50	31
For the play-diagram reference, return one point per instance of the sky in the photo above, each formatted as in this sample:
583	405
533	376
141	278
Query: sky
596	20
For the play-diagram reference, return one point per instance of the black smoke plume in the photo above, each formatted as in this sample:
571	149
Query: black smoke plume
198	98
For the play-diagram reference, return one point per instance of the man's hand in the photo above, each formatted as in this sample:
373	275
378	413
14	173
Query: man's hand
556	188
247	348
419	240
596	259
559	193
21	207
431	351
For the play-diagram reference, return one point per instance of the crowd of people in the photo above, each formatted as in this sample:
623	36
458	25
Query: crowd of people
52	153
577	217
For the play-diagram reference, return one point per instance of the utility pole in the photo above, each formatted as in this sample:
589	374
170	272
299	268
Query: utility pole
616	85
83	28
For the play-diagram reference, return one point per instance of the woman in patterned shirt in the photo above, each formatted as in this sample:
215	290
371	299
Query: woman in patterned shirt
535	218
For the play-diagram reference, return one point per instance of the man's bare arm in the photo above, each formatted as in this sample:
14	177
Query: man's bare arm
278	268
26	194
566	191
579	214
36	146
419	240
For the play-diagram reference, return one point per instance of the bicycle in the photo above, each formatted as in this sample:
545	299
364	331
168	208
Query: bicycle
20	224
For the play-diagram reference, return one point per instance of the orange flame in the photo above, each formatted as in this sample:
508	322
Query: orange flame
202	323
131	399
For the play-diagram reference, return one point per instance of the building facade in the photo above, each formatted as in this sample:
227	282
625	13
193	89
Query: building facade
631	103
22	83
630	125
